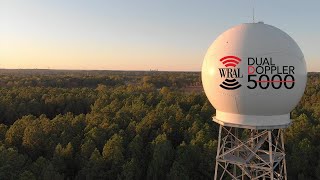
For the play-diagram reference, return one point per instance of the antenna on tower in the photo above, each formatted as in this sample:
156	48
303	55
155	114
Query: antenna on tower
253	11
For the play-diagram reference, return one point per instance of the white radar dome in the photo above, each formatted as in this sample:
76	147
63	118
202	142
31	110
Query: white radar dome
254	74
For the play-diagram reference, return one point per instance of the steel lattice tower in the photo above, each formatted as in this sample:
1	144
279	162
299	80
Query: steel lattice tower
251	154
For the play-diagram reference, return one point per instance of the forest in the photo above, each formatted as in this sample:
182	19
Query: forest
58	124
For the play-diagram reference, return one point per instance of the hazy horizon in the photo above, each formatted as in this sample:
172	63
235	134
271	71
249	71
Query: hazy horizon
143	35
108	70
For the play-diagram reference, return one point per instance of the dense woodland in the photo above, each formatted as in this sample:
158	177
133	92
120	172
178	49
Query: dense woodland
127	125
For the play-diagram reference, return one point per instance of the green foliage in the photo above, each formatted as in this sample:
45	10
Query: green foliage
113	150
162	157
127	125
11	163
302	137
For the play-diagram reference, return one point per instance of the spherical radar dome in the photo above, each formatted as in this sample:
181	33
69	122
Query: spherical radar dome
254	74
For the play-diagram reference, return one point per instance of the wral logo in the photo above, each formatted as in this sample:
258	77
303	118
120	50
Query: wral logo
263	73
230	73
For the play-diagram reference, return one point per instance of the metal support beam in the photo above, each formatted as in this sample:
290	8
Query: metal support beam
253	154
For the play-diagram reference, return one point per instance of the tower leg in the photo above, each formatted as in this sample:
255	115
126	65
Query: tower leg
270	153
235	143
218	152
284	160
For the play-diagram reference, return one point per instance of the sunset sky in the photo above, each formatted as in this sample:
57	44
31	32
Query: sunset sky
139	34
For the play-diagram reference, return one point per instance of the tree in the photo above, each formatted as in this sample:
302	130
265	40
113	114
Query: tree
95	168
162	158
113	154
87	148
50	173
27	175
11	163
14	135
113	150
38	167
178	172
63	160
131	170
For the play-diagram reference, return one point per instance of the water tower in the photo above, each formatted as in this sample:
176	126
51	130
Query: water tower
253	74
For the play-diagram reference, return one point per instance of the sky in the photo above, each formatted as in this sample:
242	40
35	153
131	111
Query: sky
168	35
